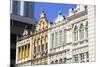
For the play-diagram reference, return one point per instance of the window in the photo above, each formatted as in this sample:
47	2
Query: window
75	58
34	46
60	37
28	9
46	46
60	61
38	48
34	49
82	57
52	62
81	32
56	62
65	34
75	33
42	47
56	39
16	7
65	60
86	30
87	57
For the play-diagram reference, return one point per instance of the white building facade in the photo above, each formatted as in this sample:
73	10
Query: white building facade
72	39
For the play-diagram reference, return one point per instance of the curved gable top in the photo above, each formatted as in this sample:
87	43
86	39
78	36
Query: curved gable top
42	23
59	18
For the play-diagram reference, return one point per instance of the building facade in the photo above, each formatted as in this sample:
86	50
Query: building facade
40	41
32	47
72	38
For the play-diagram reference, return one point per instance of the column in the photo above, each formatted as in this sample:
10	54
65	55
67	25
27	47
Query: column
26	50
31	50
36	47
17	53
79	59
20	52
23	51
40	45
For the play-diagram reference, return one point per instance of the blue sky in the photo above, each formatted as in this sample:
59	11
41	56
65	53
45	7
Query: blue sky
51	9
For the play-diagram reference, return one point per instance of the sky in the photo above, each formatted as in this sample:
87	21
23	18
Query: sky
51	9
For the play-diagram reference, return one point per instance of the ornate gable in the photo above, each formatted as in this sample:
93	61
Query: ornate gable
43	23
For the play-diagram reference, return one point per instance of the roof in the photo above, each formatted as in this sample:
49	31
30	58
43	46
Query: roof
23	19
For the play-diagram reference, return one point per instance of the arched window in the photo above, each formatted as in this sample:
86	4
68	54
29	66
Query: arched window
42	44
75	33
64	60
86	30
39	45
46	42
60	61
52	62
34	46
81	31
56	62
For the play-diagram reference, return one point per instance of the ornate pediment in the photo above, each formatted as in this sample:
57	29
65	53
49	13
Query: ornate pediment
43	23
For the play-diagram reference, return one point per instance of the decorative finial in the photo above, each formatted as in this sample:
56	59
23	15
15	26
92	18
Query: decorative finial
42	15
59	13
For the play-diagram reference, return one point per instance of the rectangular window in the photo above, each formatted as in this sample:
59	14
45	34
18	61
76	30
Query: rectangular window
28	9
56	39
82	57
87	57
65	36
75	58
60	37
16	7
